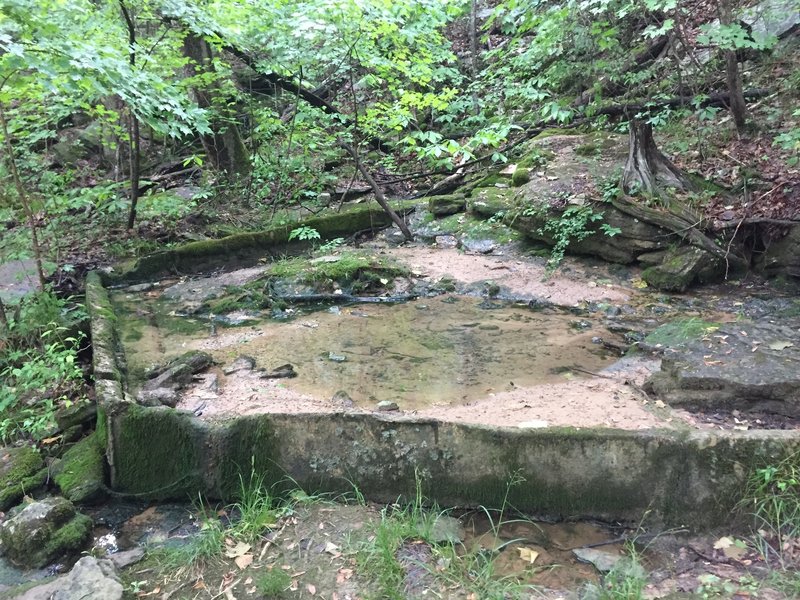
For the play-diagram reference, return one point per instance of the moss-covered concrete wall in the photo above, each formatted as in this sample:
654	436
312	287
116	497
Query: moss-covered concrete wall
244	248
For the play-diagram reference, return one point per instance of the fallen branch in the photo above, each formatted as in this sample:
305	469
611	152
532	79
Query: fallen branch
723	225
379	196
721	99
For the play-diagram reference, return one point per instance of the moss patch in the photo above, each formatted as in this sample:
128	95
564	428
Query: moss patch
81	474
158	452
676	332
358	271
22	470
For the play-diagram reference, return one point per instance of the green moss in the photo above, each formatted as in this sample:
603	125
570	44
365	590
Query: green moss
22	470
681	330
535	158
81	474
358	270
70	536
521	176
251	448
158	452
133	335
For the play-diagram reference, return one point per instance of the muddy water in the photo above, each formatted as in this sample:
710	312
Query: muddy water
438	351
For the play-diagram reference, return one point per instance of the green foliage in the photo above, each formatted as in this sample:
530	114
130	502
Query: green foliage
472	570
571	225
39	370
626	581
773	498
304	234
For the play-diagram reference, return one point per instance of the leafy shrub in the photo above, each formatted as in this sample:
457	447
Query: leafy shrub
39	370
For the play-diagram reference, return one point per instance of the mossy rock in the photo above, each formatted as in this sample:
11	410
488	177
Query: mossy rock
521	176
442	206
22	470
81	473
37	533
489	202
682	267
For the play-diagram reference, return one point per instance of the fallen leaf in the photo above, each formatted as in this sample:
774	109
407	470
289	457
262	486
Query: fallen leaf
781	345
723	542
243	561
237	550
528	554
311	589
331	548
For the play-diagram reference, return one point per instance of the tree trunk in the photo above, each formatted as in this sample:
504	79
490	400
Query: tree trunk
647	169
23	198
224	148
134	144
733	76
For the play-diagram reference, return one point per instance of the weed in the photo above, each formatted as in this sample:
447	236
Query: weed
304	233
39	370
472	570
273	582
773	498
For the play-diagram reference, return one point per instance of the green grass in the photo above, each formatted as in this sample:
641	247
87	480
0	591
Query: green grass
255	511
772	497
452	564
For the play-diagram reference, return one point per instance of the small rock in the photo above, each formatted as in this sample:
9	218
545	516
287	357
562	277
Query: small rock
597	340
386	406
446	241
242	363
602	560
446	530
343	398
158	397
90	578
127	557
283	372
479	246
339	358
140	287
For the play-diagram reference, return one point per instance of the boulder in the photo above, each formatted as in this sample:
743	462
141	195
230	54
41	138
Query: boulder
681	267
442	206
89	578
782	256
37	533
22	470
81	473
164	381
